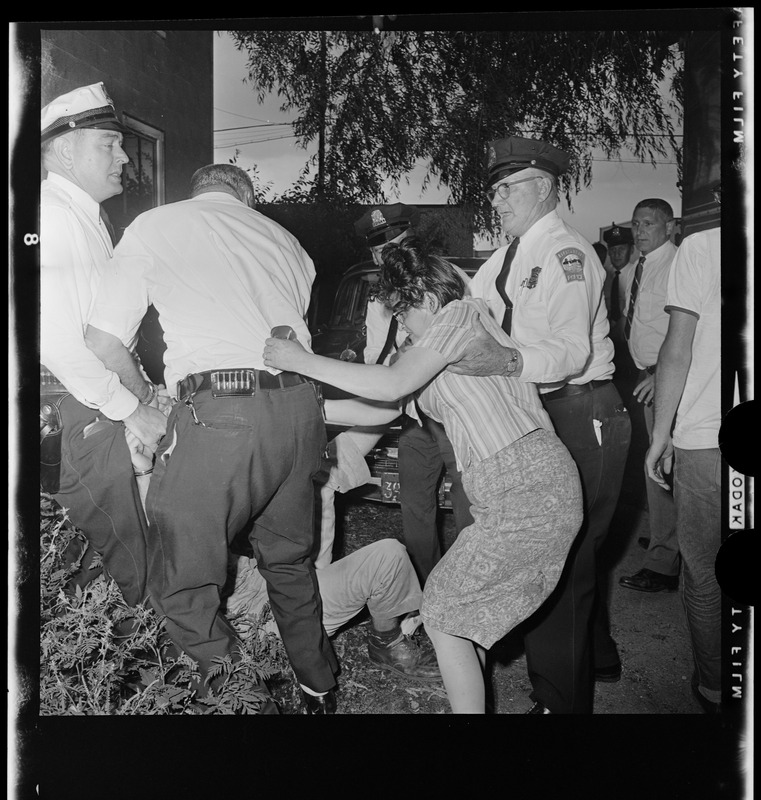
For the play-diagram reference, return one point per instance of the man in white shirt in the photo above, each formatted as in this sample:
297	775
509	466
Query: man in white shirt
645	323
84	406
688	397
546	288
243	442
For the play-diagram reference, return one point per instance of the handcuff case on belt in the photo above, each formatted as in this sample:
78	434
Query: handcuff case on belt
51	431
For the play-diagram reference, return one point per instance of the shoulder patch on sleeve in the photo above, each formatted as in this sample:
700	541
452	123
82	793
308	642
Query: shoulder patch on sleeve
572	261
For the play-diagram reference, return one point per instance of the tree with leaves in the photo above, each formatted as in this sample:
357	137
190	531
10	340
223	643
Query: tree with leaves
378	103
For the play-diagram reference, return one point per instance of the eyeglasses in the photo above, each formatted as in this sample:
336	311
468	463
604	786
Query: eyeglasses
503	189
400	312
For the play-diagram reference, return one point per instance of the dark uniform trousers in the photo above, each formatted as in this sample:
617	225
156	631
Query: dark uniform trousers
250	458
423	453
558	637
99	490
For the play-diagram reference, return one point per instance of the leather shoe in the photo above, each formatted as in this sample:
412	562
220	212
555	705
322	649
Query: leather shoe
707	706
643	542
404	657
648	581
539	708
325	704
608	674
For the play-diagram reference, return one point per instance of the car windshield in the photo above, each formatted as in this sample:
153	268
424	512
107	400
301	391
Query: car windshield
351	301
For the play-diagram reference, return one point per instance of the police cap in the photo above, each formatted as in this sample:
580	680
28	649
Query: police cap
381	224
506	156
85	107
618	235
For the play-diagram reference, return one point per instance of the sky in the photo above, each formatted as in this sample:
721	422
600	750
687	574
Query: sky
617	186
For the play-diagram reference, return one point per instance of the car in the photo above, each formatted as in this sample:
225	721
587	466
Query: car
344	337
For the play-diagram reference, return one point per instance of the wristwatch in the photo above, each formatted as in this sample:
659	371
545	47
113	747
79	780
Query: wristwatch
512	364
152	389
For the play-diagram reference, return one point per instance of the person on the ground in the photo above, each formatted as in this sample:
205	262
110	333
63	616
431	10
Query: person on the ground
546	288
645	323
379	576
685	438
84	407
243	442
523	484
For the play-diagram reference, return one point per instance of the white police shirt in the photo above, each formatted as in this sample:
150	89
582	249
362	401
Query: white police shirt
220	275
75	251
559	315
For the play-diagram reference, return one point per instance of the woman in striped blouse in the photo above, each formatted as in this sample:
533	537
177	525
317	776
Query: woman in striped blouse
521	481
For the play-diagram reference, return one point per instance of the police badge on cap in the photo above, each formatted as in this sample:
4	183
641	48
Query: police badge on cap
618	235
506	156
85	107
381	224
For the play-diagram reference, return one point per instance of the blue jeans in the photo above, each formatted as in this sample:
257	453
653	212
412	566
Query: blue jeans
663	552
697	494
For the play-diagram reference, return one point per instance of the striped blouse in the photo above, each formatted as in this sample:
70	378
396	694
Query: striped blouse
481	415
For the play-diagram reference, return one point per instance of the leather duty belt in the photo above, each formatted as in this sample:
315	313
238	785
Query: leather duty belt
571	389
235	382
49	384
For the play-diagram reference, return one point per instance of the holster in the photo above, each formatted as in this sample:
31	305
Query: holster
51	431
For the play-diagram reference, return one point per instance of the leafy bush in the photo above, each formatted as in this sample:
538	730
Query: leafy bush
99	656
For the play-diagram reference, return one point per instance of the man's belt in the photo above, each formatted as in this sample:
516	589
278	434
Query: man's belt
49	384
573	388
236	382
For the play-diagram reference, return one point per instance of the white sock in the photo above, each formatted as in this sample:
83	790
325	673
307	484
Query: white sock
311	691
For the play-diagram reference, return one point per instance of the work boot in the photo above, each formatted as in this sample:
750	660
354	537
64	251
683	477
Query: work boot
399	653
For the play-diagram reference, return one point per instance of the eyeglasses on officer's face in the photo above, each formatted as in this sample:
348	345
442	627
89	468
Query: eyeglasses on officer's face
504	189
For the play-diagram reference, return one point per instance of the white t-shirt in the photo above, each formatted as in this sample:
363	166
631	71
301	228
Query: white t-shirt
695	288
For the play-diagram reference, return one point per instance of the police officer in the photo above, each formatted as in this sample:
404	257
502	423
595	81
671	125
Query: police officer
546	287
84	406
243	444
424	449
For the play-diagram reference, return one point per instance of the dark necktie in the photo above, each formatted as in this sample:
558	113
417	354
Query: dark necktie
633	296
615	303
108	226
393	327
501	284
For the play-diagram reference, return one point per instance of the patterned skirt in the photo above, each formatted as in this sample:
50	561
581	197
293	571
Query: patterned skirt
527	509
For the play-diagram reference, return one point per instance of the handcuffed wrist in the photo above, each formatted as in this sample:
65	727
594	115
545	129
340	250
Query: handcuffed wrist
142	472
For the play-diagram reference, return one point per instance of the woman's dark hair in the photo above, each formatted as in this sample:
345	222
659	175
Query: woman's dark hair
409	271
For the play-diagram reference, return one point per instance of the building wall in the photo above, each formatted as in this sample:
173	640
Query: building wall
162	78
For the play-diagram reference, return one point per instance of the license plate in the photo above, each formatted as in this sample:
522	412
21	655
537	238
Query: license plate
390	487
